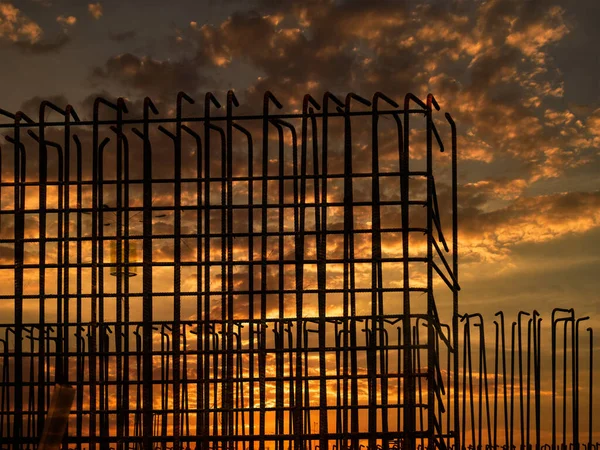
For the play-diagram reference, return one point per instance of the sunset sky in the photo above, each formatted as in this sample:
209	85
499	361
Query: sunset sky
520	77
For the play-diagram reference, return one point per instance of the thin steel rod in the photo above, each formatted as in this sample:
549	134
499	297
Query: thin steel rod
192	119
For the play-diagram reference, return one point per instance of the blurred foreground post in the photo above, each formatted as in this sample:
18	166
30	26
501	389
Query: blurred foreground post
58	417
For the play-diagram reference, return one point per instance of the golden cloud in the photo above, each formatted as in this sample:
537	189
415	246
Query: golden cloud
534	37
68	20
15	27
536	219
95	9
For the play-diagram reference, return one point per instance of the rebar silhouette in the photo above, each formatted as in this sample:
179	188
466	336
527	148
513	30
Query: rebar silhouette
290	292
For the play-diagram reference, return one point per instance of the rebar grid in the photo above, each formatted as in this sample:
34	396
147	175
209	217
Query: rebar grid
239	251
274	296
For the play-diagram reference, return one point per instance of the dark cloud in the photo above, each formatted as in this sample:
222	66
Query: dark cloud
44	46
31	106
152	77
123	36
